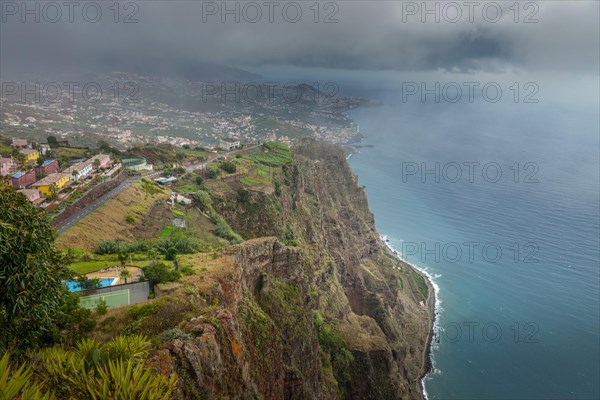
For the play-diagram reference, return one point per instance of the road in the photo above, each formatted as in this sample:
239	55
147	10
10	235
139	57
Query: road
69	222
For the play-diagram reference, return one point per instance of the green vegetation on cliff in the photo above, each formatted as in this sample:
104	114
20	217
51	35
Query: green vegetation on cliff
285	289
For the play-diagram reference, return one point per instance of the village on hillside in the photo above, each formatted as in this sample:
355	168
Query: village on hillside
44	181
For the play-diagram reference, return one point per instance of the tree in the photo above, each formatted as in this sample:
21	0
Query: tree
86	283
159	273
171	254
122	258
73	321
53	193
96	162
125	274
19	157
153	256
199	180
75	174
101	307
52	141
32	273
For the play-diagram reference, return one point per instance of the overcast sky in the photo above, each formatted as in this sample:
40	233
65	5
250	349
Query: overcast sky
367	35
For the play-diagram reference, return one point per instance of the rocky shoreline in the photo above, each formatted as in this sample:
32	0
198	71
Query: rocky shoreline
427	365
427	357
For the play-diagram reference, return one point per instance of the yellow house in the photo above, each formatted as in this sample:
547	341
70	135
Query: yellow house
30	155
52	183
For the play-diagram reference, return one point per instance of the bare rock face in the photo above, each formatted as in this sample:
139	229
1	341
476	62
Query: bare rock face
334	317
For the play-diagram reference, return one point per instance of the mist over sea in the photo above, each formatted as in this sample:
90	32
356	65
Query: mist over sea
522	324
515	255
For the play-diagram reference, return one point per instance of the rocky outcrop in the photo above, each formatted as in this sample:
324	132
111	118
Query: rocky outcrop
333	317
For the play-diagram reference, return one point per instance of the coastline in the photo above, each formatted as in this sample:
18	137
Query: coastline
432	306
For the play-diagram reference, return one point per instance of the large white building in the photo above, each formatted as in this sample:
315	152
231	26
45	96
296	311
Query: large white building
79	170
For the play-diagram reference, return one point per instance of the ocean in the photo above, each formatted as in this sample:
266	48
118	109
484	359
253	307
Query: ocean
498	201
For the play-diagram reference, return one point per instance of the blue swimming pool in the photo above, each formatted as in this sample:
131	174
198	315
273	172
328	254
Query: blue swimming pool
74	286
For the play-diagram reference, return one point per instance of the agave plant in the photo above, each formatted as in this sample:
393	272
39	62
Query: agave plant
129	381
135	347
18	385
94	370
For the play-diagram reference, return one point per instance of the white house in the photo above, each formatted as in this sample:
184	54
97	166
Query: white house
229	144
79	170
183	200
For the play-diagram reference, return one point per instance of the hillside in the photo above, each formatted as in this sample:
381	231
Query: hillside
308	305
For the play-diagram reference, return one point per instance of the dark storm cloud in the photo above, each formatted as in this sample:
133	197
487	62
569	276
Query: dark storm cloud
368	35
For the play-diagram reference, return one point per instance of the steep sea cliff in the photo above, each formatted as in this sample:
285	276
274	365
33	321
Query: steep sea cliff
332	314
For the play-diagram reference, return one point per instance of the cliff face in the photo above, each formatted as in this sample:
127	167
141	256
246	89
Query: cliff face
333	316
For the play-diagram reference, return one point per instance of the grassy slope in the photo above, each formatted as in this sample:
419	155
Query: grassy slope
109	221
71	152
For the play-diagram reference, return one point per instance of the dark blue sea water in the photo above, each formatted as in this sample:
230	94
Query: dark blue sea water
515	257
523	323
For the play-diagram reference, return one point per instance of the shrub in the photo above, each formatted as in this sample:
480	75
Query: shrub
73	321
243	195
199	180
187	270
277	188
175	333
163	313
212	173
108	247
224	231
137	312
101	307
290	239
182	245
228	167
335	347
